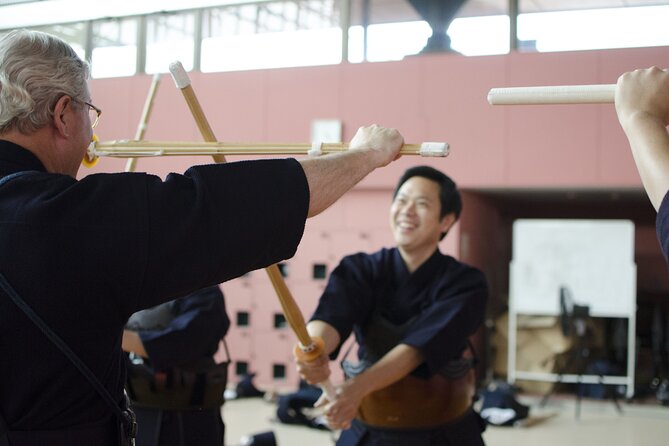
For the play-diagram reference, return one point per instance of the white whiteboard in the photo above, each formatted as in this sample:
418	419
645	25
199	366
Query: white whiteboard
594	259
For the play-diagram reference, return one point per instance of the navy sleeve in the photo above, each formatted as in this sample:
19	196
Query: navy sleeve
200	323
442	329
217	222
662	226
122	242
348	297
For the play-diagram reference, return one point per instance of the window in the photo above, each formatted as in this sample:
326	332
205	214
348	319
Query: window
279	371
282	33
169	38
320	271
74	34
241	368
478	36
114	47
594	28
271	35
388	41
279	320
243	319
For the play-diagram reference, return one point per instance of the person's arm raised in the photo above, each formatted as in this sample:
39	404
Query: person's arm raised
330	176
642	104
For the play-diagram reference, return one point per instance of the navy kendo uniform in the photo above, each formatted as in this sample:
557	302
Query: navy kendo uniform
86	254
177	393
435	309
662	226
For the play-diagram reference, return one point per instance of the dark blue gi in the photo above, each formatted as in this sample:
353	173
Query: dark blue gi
87	254
446	297
662	226
191	334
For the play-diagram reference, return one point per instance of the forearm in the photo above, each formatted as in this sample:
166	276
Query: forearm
649	142
395	365
326	332
331	176
642	105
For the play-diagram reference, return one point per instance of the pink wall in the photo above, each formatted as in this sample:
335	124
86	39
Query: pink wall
433	97
438	97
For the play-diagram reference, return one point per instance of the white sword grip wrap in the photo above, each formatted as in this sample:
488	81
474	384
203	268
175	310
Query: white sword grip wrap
316	149
434	149
179	75
559	94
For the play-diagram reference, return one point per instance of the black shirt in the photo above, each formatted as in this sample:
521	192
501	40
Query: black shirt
445	297
662	226
195	325
87	254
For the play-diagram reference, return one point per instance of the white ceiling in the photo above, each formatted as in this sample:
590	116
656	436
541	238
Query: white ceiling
26	13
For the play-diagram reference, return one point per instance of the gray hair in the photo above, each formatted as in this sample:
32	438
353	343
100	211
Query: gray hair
36	70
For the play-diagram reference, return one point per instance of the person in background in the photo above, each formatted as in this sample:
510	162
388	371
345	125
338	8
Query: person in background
175	386
298	407
412	310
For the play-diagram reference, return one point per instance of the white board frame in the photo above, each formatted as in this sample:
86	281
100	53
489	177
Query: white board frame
594	260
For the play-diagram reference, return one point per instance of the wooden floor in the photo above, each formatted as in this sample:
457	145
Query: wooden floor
555	425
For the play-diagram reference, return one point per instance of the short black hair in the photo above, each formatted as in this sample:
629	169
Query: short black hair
449	195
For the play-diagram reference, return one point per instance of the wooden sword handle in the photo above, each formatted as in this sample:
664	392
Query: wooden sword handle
564	94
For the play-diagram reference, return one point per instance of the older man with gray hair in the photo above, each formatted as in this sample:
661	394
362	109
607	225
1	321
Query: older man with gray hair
78	257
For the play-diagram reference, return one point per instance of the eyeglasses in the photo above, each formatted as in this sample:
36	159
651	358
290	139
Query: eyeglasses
94	113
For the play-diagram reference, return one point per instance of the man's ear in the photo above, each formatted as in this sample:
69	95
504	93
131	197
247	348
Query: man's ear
447	221
60	115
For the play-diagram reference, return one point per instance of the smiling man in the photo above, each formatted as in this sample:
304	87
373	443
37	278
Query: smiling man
412	310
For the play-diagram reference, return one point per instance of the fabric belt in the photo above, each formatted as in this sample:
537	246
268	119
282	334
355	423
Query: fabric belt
414	403
177	389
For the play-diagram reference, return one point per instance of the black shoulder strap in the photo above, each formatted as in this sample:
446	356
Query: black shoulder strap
53	337
122	415
227	352
11	176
